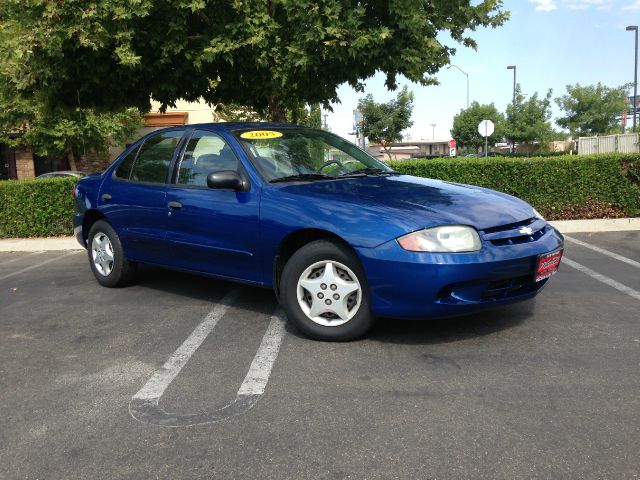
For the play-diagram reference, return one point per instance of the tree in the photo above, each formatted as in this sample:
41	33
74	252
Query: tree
528	120
465	125
61	132
592	109
264	54
383	123
302	115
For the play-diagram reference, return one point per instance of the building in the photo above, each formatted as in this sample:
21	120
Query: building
405	150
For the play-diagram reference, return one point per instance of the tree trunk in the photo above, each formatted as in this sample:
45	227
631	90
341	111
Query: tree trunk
276	110
387	149
72	160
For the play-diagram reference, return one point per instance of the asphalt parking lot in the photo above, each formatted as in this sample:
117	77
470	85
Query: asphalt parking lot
186	377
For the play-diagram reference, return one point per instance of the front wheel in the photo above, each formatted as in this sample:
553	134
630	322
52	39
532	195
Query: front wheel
324	292
106	256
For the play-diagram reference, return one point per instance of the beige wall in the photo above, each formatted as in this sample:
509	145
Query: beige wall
24	164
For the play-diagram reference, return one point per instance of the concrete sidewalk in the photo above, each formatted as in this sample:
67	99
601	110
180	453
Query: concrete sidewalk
565	226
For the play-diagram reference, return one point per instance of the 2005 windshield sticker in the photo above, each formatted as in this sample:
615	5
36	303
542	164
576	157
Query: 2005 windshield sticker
260	134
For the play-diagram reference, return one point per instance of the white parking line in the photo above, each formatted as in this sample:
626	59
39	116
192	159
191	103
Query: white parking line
18	272
144	405
598	276
163	377
603	251
20	258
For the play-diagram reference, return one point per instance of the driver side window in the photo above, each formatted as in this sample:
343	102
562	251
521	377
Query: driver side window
206	153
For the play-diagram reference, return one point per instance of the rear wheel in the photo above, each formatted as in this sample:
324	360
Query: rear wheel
324	292
106	256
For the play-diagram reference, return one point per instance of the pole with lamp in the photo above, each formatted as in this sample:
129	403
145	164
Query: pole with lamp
467	75
513	67
634	28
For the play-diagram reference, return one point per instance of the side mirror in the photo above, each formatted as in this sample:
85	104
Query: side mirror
227	180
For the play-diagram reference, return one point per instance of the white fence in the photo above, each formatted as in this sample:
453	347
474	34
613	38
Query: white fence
627	143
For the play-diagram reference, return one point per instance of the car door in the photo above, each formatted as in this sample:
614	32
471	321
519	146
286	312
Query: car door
210	230
134	198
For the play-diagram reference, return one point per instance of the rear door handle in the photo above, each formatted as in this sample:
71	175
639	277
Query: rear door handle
106	197
175	205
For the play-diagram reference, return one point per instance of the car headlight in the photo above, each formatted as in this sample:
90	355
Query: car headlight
451	238
537	214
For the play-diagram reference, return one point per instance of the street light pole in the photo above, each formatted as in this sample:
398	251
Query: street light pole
634	28
467	75
433	132
513	67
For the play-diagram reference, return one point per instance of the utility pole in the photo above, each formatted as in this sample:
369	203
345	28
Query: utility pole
324	122
634	28
513	67
433	132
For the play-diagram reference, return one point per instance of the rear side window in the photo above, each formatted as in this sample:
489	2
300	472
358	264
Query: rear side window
124	169
152	163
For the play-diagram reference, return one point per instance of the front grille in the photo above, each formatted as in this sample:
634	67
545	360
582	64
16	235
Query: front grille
506	288
512	234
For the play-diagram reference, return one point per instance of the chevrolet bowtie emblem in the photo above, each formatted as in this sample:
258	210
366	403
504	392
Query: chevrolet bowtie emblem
526	231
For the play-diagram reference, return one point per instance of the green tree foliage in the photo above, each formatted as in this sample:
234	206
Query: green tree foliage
309	116
383	123
528	121
264	54
465	125
592	109
57	131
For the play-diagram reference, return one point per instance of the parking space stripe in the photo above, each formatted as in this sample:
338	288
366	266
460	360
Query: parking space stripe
603	251
23	270
598	276
144	405
162	378
20	258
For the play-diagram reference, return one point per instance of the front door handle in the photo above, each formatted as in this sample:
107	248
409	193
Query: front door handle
173	204
106	197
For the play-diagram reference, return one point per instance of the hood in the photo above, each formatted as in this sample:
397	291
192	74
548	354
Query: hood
419	202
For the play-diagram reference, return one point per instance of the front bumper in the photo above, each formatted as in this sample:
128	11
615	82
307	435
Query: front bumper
421	285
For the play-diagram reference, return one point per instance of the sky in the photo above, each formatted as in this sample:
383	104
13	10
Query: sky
553	43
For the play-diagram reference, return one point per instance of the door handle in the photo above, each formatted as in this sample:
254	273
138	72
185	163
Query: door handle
173	204
106	197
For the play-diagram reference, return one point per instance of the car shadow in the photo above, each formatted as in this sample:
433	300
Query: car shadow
197	287
386	330
453	329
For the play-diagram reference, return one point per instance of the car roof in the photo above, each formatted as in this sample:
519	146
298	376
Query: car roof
231	126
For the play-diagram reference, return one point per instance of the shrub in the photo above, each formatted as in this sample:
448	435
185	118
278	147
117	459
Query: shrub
36	208
563	187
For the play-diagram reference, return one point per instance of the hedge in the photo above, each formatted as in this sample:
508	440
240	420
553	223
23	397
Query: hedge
596	186
36	208
570	186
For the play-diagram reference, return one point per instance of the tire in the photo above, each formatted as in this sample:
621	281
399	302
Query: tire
324	292
106	256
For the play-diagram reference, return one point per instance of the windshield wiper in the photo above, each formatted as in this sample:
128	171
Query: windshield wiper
302	176
369	171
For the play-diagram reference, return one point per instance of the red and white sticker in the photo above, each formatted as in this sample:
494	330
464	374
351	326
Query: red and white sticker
548	264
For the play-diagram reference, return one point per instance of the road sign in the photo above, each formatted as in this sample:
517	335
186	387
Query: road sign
486	128
452	143
452	151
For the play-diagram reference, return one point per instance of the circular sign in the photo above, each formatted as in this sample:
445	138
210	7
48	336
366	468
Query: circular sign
486	128
452	143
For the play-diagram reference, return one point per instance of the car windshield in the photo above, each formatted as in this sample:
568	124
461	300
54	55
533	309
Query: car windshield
304	154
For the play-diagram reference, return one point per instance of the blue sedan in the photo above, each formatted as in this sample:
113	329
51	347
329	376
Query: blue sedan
339	236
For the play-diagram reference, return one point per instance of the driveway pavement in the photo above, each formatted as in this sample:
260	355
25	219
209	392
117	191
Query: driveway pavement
185	377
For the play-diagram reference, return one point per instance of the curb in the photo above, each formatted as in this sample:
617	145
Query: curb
565	226
598	225
39	244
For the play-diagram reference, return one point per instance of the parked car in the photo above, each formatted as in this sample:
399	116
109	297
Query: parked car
339	236
60	174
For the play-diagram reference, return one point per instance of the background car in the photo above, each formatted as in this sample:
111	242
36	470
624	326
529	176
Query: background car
63	173
338	235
